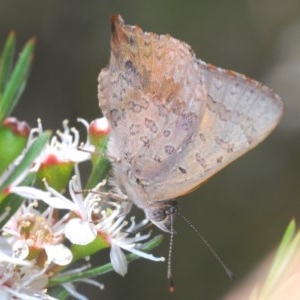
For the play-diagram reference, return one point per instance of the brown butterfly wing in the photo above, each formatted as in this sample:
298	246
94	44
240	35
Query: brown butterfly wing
151	97
176	121
239	114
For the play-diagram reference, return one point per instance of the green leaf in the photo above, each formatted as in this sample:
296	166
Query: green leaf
32	152
59	279
284	255
58	292
9	205
283	246
17	81
12	143
81	251
99	172
101	165
7	60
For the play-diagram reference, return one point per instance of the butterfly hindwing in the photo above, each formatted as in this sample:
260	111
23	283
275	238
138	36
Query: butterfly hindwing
239	114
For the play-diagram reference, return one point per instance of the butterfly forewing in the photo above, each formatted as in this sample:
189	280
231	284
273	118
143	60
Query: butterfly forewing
151	98
239	114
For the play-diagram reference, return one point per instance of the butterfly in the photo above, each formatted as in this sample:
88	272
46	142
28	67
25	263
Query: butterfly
175	119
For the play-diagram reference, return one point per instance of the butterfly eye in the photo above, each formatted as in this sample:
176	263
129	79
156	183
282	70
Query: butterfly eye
157	214
161	215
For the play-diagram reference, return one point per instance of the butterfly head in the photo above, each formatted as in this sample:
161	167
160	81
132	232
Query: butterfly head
162	214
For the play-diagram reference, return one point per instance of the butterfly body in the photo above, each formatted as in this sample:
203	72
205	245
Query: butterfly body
175	120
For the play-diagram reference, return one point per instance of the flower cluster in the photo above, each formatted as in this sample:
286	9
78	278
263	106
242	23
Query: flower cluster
49	231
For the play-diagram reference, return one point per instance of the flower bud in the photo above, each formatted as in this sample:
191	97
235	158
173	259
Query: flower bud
56	172
99	130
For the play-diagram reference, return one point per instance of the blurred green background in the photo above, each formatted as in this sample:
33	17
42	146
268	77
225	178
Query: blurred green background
243	210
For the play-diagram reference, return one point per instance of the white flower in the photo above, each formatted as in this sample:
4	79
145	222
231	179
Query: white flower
23	282
79	229
119	236
20	279
29	229
8	255
94	216
63	147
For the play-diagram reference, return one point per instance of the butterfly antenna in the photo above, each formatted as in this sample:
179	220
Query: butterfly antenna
111	158
210	248
169	272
